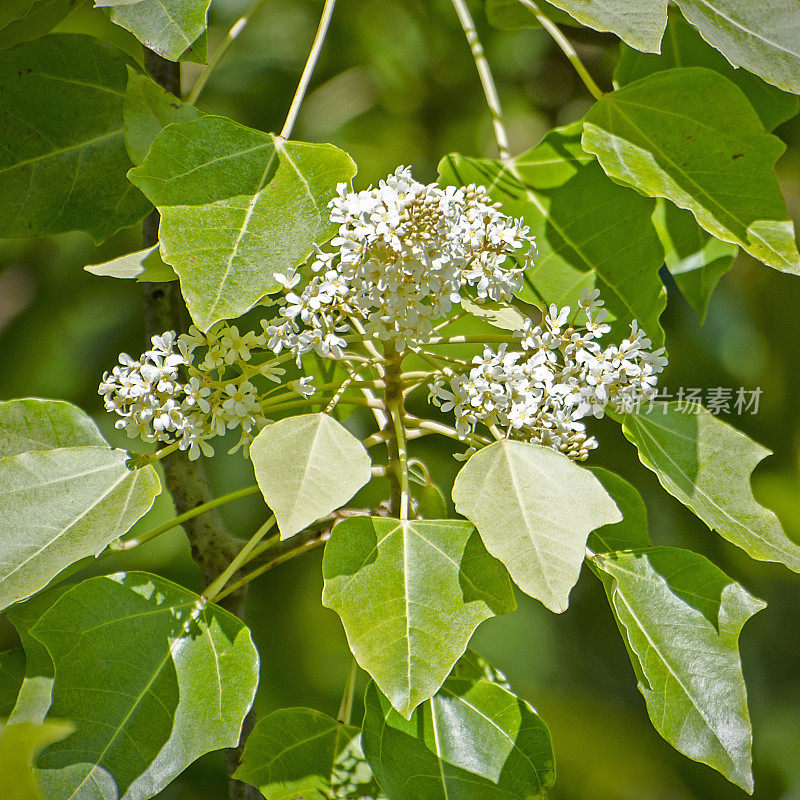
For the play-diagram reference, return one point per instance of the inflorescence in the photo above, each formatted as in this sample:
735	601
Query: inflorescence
404	256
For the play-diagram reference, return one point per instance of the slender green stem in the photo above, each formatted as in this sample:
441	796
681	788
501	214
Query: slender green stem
213	592
382	437
402	455
346	706
128	544
143	459
345	401
450	320
484	338
304	546
308	70
566	47
446	430
485	75
216	57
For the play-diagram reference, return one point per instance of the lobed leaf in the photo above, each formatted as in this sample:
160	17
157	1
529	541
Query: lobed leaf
680	617
706	464
306	467
63	164
670	135
410	594
168	27
629	532
473	739
521	498
589	231
302	753
58	506
153	679
34	424
237	205
683	46
764	39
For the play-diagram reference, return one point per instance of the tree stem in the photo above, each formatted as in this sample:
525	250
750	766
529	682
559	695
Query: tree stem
212	545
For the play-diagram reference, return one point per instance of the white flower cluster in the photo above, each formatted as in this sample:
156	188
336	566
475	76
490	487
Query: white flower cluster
560	375
165	397
404	255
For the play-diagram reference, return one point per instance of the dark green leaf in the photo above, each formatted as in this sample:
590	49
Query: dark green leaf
473	740
706	464
512	14
631	531
670	135
589	231
410	595
684	47
521	497
306	467
237	206
168	27
19	745
63	161
695	259
681	617
152	677
12	673
301	753
41	18
763	38
147	110
58	506
34	424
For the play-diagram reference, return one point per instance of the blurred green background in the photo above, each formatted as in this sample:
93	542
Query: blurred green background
396	85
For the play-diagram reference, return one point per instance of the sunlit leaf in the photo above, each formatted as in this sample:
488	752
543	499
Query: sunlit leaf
143	265
63	163
237	206
763	38
521	497
706	464
168	27
152	677
684	47
670	135
589	231
58	506
19	745
681	617
410	595
473	739
306	467
34	424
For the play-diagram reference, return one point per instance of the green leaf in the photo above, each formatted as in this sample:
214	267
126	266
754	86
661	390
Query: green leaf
695	259
410	595
36	692
152	677
473	740
58	506
500	315
764	39
681	617
706	464
589	231
511	15
631	531
144	265
12	673
301	753
19	745
640	23
148	109
684	47
168	27
12	10
237	206
63	163
306	467
670	135
41	18
34	424
521	497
